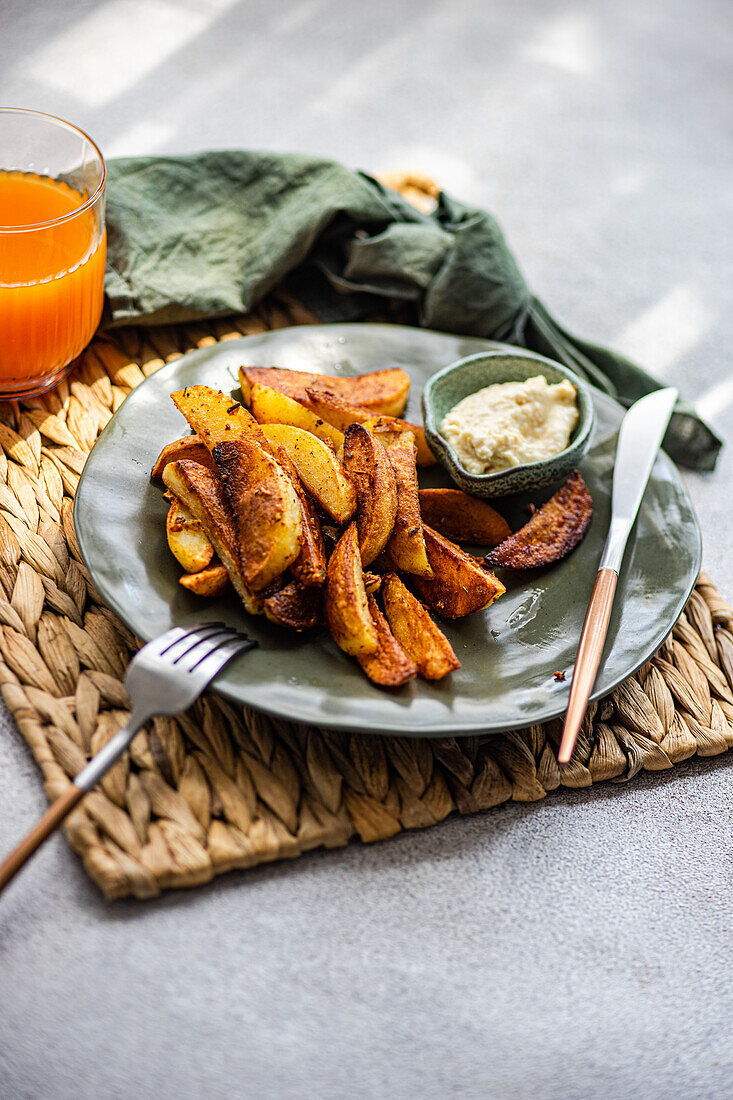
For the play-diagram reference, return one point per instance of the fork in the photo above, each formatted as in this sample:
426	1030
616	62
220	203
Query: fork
165	677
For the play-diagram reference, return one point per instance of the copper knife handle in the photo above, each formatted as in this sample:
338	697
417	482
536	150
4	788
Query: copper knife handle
592	639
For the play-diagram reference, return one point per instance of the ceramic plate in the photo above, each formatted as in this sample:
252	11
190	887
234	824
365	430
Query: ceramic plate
509	653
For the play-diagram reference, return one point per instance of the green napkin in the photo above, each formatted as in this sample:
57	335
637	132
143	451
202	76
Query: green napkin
207	235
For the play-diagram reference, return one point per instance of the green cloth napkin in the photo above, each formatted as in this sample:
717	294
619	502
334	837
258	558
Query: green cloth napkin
208	234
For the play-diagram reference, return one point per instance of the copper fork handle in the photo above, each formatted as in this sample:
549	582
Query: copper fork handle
592	639
50	821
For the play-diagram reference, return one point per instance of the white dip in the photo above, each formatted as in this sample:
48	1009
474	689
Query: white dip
511	424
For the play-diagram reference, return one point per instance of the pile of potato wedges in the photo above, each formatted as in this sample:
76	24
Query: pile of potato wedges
304	498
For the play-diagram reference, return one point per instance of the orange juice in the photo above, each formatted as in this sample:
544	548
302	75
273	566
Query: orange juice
52	255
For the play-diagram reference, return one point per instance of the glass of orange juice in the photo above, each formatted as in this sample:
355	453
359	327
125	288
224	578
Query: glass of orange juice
52	248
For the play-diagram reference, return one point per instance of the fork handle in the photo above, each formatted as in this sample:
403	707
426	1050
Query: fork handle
87	778
48	824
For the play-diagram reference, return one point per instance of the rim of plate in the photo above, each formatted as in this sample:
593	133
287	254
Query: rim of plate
354	724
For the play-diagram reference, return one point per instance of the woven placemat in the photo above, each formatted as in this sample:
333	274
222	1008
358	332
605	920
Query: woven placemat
220	787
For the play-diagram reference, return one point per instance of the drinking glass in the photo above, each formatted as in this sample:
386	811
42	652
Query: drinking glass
52	248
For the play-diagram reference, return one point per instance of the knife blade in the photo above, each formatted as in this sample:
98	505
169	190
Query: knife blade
639	439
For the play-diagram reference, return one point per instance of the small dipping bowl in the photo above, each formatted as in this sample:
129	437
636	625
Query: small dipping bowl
449	386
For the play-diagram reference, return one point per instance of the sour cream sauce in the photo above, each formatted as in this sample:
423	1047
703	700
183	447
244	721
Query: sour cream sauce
511	424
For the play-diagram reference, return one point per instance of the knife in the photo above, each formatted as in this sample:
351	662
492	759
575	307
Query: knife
640	437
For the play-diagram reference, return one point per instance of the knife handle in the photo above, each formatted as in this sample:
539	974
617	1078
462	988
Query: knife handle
592	639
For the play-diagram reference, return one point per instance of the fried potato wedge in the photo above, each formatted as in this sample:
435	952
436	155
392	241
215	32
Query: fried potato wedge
380	391
187	540
459	585
406	546
345	599
309	568
553	531
333	408
215	417
295	607
210	582
189	446
389	665
318	468
341	413
389	427
266	508
366	463
461	517
422	640
202	491
269	406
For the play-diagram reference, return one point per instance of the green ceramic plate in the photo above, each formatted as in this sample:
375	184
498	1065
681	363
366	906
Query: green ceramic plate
508	653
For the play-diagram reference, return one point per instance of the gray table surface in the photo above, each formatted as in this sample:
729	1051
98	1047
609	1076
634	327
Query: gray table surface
579	947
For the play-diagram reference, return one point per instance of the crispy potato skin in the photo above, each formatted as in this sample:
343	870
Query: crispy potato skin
216	418
406	546
345	600
389	427
421	639
210	582
189	446
461	517
187	540
366	463
266	507
309	568
202	491
269	406
335	410
389	666
382	392
459	585
552	532
295	607
318	468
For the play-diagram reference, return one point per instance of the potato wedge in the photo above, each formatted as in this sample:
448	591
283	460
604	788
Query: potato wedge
202	491
461	517
459	585
389	665
295	607
215	417
269	406
187	540
422	640
383	392
318	468
189	446
210	582
406	546
266	508
345	600
309	568
552	532
333	408
388	427
366	463
340	413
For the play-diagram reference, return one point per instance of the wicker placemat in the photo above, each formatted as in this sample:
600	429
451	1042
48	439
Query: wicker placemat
219	787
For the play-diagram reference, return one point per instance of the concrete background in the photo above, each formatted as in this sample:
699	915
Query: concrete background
576	948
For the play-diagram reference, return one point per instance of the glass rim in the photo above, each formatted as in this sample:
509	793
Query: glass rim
87	203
